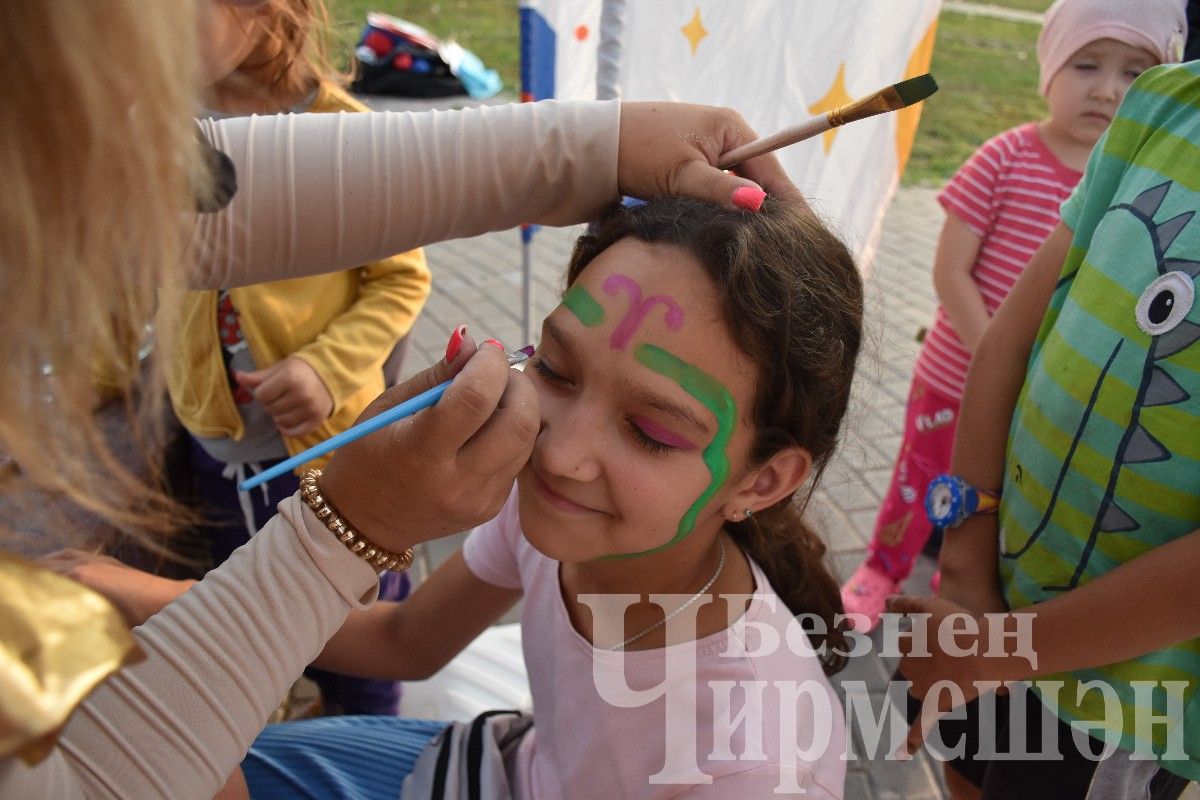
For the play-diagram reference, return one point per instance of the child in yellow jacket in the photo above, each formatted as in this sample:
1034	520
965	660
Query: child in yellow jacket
259	373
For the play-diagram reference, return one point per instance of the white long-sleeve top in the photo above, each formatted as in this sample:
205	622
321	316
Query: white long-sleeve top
316	192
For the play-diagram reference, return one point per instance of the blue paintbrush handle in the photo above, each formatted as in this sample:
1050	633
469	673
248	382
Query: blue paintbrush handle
406	409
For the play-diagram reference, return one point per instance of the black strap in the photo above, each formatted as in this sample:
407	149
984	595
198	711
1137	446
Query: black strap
475	753
438	790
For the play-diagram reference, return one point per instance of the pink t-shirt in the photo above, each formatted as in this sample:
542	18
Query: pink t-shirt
584	746
1008	194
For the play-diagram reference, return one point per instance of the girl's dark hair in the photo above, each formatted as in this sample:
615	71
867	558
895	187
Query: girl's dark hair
792	299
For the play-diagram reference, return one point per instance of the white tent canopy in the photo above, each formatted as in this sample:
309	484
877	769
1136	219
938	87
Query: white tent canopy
778	62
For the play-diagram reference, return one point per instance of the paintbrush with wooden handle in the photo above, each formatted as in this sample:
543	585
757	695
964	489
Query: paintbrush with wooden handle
892	98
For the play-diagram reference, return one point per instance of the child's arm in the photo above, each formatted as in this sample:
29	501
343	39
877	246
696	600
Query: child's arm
1064	636
137	594
413	639
303	390
391	293
969	553
958	247
1063	630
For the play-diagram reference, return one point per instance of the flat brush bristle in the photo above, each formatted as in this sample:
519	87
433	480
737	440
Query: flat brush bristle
522	355
914	90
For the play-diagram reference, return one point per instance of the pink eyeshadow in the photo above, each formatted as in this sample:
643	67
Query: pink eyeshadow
656	431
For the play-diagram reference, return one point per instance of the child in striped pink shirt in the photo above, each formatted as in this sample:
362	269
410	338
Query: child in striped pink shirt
1000	205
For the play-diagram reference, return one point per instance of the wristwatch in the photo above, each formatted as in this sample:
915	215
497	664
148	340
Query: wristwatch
950	500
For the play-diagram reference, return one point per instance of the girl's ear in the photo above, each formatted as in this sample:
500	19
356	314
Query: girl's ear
781	475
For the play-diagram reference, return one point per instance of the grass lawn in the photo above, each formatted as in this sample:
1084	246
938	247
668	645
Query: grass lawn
488	28
1021	5
987	68
987	73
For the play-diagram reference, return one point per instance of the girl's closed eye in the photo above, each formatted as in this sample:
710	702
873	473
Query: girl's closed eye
543	369
656	438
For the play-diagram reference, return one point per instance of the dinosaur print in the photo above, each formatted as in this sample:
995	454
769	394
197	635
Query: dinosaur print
1160	313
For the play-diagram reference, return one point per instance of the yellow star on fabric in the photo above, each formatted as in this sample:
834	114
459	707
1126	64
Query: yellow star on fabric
907	118
694	31
836	96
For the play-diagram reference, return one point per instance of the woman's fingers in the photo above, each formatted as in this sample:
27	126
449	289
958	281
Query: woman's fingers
673	149
445	469
505	441
469	402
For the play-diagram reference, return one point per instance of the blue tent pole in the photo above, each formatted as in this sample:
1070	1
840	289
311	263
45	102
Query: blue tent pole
537	83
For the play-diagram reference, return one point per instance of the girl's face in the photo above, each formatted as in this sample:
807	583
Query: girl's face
1083	96
227	36
645	404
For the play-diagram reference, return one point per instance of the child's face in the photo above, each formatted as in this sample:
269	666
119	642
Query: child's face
645	404
227	36
1083	96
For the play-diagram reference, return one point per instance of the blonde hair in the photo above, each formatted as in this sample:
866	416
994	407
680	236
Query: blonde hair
290	60
100	159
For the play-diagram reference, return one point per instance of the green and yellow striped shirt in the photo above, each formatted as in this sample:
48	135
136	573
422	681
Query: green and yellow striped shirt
1104	452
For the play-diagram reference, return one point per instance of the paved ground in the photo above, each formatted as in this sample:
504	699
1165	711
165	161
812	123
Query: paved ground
478	281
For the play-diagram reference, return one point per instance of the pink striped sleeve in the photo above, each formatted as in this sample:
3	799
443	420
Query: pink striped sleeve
969	194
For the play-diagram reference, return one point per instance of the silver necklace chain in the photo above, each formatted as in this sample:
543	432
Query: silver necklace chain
676	612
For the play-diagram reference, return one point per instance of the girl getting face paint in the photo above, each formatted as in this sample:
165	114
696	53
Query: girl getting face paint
698	368
638	412
693	378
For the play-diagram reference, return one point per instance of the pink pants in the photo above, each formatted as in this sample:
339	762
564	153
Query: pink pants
901	529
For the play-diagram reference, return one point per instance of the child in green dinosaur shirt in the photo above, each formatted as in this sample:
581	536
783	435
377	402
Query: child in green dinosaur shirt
1091	423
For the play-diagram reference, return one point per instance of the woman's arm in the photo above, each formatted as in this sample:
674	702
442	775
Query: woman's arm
413	639
969	552
218	661
319	192
953	264
220	658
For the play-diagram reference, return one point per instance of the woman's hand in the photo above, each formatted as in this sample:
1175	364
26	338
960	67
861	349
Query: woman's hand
137	595
671	149
447	468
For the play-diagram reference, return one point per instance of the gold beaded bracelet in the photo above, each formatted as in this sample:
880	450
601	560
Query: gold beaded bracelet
374	555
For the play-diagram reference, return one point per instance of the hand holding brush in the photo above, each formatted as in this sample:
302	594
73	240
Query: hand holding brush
367	426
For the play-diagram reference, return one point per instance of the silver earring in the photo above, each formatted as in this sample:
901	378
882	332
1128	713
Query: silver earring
747	513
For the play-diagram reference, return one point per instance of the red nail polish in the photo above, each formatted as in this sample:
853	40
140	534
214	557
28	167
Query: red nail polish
749	197
494	343
455	343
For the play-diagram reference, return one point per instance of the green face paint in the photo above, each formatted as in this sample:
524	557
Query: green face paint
580	302
717	399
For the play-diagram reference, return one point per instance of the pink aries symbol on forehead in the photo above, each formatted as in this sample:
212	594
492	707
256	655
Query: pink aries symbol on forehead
638	308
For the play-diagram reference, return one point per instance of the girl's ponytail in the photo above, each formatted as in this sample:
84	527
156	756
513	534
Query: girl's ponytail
792	556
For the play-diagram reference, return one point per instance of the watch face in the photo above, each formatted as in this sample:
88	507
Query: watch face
940	501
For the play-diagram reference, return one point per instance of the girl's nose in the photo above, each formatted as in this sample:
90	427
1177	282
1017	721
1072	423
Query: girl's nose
571	443
1108	87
